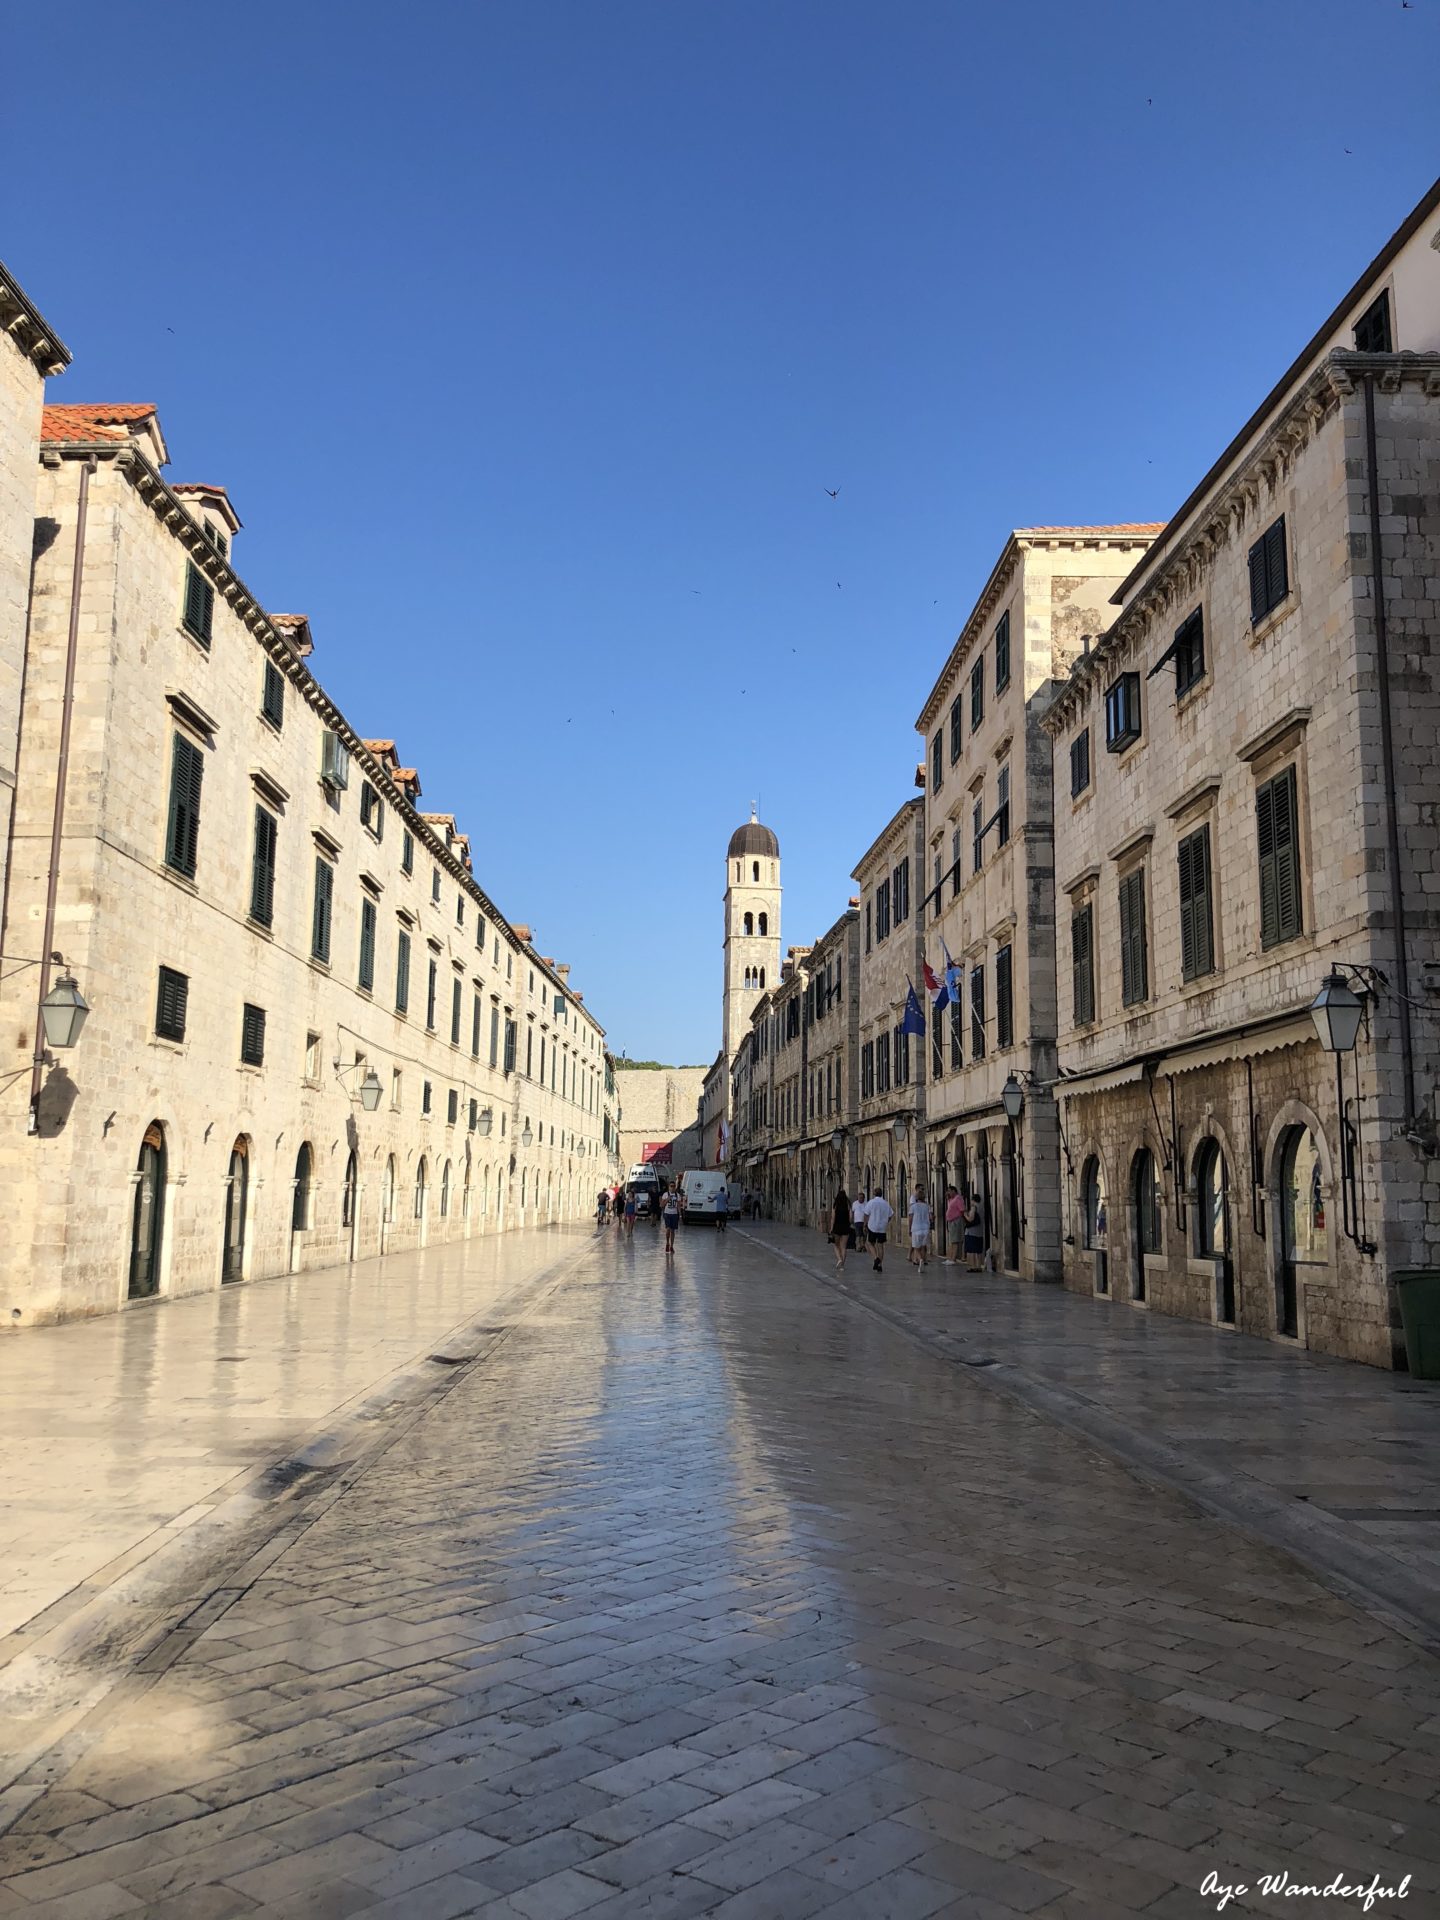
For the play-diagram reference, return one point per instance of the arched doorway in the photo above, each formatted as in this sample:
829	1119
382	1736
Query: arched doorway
147	1220
1009	1201
350	1202
445	1191
1212	1224
422	1177
300	1203
1095	1221
1144	1218
237	1208
387	1204
465	1193
1303	1228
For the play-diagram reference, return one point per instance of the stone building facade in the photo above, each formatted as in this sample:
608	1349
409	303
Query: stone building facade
1248	800
890	1072
29	353
660	1110
263	922
989	908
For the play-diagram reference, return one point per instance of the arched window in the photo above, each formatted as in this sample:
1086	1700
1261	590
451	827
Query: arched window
445	1191
147	1221
237	1206
1094	1221
300	1205
387	1192
420	1179
347	1198
1212	1185
749	923
1147	1202
754	869
762	979
465	1190
764	925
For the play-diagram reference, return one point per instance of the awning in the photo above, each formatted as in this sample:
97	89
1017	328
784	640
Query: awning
1077	1086
1242	1046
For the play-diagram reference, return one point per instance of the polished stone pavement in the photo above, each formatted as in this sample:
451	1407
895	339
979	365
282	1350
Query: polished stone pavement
708	1591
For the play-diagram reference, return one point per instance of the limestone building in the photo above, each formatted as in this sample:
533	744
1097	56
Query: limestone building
1247	769
889	1150
752	926
313	1035
661	1114
989	875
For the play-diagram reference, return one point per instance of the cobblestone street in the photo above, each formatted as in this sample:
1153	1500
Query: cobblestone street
705	1590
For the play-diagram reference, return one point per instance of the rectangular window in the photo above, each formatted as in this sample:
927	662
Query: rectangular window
957	1032
475	1007
937	1047
459	909
262	868
1002	654
1134	961
1082	963
867	926
957	728
1004	999
457	993
977	835
1197	931
367	945
182	834
402	972
1269	572
372	810
427	1096
1122	713
937	763
472	1116
1002	807
882	910
900	892
867	1068
397	1081
312	1057
977	1013
435	886
170	1004
252	1036
511	1037
1080	763
1190	652
902	1057
1372	329
1278	832
452	1107
882	1064
321	914
494	1036
432	983
407	851
957	874
529	1053
272	695
977	693
199	613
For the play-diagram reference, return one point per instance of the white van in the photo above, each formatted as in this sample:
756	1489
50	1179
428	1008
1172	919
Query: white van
701	1189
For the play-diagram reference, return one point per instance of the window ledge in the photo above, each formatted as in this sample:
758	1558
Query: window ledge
1081	799
259	926
265	721
317	965
167	1045
1276	617
249	1067
178	879
202	647
1133	842
1193	693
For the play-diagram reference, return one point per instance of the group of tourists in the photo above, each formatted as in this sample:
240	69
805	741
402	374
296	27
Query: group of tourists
622	1204
866	1222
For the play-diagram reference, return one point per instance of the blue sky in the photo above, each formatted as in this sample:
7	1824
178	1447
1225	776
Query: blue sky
527	339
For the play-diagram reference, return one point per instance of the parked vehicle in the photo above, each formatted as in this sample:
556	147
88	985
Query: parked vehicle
647	1187
701	1188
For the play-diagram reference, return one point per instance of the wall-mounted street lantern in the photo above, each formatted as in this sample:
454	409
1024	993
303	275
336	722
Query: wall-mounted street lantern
370	1091
1012	1099
486	1120
527	1136
1338	1011
837	1139
63	1012
899	1127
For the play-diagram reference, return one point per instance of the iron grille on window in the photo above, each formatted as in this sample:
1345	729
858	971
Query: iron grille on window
252	1036
182	836
1122	712
1197	932
272	695
1080	763
1269	572
1082	962
1277	826
1134	970
199	614
170	1003
262	869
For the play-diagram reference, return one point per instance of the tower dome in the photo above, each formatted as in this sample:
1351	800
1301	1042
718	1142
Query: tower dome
753	838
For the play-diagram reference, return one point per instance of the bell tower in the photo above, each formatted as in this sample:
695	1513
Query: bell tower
752	926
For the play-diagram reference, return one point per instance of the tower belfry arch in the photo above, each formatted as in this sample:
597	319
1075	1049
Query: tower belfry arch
752	925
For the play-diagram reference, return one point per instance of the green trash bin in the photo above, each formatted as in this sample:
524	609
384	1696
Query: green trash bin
1419	1292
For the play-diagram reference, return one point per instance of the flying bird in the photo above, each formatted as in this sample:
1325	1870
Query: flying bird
834	492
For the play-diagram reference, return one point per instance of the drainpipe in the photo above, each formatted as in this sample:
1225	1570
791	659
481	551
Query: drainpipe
62	768
1387	754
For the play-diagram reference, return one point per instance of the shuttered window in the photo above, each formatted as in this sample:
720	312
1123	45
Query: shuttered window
1002	807
182	835
1004	999
456	997
494	1036
272	695
977	834
1082	962
407	852
170	1003
199	610
957	729
937	1048
937	763
1002	654
372	810
1278	834
321	915
1197	930
1269	572
252	1036
511	1037
977	1013
882	1063
957	1033
367	945
475	1027
977	693
1134	967
452	1107
1122	713
432	983
262	869
402	972
1079	763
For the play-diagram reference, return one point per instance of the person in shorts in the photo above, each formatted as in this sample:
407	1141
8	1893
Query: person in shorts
954	1226
919	1216
974	1235
878	1215
722	1209
670	1217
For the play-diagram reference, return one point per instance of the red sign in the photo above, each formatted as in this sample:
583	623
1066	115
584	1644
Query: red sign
656	1151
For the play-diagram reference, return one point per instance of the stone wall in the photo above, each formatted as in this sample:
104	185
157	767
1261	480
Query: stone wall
660	1104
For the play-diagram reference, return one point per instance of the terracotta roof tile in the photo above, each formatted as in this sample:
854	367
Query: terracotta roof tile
92	422
1122	526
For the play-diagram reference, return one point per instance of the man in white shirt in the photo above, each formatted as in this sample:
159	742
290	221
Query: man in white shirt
877	1219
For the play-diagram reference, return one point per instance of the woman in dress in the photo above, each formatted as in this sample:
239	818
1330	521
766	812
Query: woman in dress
842	1232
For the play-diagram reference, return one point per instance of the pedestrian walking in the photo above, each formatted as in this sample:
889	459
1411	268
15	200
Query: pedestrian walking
670	1217
974	1236
878	1216
722	1208
954	1226
842	1231
617	1207
602	1206
919	1216
857	1219
631	1203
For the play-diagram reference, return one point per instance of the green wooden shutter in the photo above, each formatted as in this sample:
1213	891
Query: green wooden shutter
1082	969
977	1013
1004	999
182	840
367	944
402	972
1287	856
199	604
272	695
170	1004
1133	969
262	869
252	1036
1277	572
456	992
320	917
1258	606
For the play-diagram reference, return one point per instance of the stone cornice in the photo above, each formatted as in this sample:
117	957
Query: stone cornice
27	328
908	810
229	587
1178	574
991	594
